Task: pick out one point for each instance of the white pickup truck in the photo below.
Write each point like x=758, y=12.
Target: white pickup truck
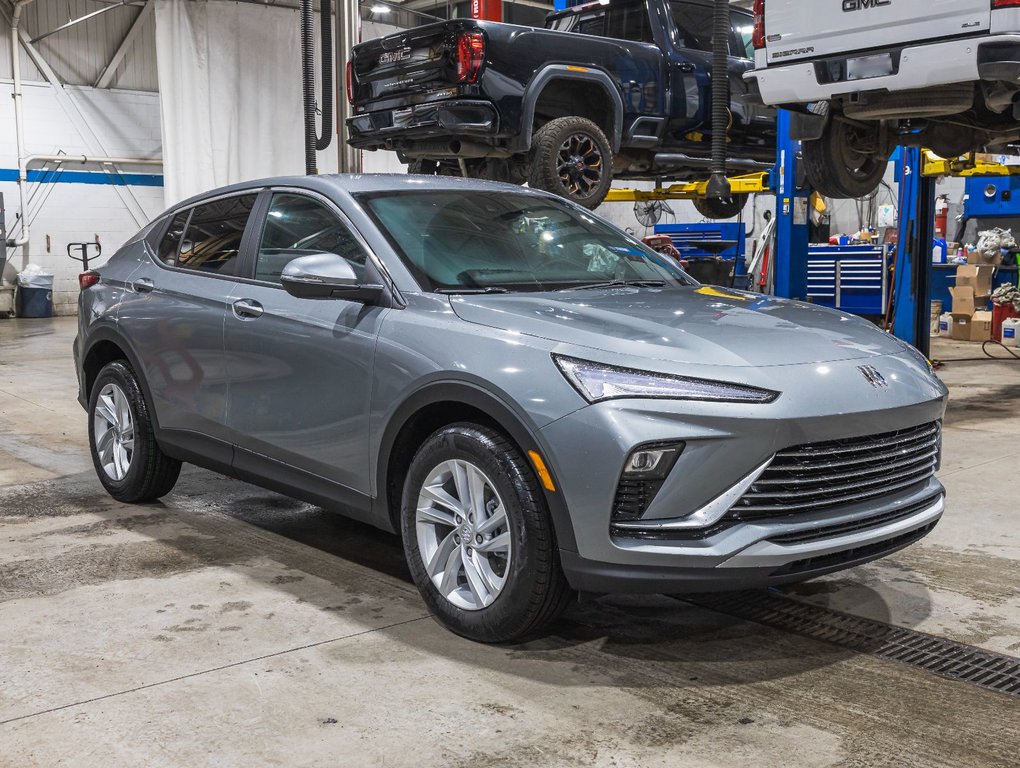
x=864, y=76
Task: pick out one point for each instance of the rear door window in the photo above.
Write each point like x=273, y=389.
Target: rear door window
x=297, y=225
x=629, y=22
x=170, y=246
x=212, y=239
x=693, y=24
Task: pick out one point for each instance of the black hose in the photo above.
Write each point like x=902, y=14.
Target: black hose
x=326, y=39
x=718, y=184
x=308, y=84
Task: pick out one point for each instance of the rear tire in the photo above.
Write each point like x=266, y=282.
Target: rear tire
x=128, y=461
x=716, y=208
x=478, y=537
x=841, y=164
x=571, y=157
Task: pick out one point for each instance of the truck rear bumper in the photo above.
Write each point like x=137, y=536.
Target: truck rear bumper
x=391, y=128
x=915, y=67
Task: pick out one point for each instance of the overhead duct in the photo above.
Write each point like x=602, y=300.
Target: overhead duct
x=718, y=185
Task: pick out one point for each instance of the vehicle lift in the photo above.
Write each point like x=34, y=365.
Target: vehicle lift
x=916, y=173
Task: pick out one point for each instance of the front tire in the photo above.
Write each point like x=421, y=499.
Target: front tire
x=844, y=162
x=128, y=461
x=571, y=157
x=478, y=537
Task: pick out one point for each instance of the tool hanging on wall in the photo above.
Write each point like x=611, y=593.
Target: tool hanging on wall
x=314, y=142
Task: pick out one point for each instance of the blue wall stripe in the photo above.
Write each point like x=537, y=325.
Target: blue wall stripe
x=86, y=177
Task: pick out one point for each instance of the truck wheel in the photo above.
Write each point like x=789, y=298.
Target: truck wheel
x=843, y=162
x=571, y=157
x=478, y=537
x=716, y=208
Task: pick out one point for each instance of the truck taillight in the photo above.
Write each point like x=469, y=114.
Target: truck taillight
x=759, y=24
x=470, y=56
x=350, y=81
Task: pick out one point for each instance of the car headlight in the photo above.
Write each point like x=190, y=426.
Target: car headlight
x=597, y=381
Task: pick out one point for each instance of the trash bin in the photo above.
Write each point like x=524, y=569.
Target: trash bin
x=35, y=294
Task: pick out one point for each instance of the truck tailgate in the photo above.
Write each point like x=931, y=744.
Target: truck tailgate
x=796, y=29
x=403, y=63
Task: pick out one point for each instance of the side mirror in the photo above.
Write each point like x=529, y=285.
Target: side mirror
x=326, y=276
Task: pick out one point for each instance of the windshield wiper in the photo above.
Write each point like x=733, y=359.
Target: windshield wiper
x=619, y=284
x=471, y=291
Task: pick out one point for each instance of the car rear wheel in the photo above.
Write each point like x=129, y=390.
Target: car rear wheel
x=571, y=157
x=720, y=208
x=846, y=161
x=129, y=463
x=478, y=537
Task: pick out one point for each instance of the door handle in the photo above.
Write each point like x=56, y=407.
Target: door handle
x=142, y=285
x=687, y=68
x=247, y=309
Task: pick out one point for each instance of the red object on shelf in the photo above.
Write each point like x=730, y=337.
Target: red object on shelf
x=1000, y=314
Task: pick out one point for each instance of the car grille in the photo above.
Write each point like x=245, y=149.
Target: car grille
x=809, y=478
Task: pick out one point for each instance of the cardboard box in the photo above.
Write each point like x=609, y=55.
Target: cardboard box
x=973, y=257
x=976, y=276
x=971, y=320
x=976, y=327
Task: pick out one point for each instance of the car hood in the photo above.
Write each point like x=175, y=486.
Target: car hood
x=698, y=325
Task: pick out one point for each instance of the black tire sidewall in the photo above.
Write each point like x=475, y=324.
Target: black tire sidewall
x=545, y=146
x=128, y=489
x=512, y=611
x=826, y=171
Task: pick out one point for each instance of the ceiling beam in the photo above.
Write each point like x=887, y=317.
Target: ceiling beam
x=106, y=76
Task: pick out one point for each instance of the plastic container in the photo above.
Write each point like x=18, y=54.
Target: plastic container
x=940, y=251
x=933, y=317
x=34, y=302
x=1011, y=332
x=945, y=325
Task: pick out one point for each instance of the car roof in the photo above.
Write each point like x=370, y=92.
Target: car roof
x=354, y=183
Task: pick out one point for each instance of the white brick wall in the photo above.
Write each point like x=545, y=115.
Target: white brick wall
x=127, y=124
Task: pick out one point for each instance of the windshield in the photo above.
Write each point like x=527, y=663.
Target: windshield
x=504, y=241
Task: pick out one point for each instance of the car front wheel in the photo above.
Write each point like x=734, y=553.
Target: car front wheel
x=129, y=463
x=478, y=537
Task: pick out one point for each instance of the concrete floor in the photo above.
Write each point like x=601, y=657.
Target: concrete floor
x=230, y=626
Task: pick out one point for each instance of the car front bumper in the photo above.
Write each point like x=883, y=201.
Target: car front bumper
x=994, y=57
x=725, y=448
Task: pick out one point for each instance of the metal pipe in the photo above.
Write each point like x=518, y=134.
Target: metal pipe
x=85, y=159
x=19, y=129
x=348, y=34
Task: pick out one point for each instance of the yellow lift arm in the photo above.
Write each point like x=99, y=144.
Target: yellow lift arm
x=739, y=185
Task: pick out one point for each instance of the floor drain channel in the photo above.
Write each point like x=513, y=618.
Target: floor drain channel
x=942, y=657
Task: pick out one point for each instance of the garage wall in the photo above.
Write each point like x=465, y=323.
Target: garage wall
x=81, y=202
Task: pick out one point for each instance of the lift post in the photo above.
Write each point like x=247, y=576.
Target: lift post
x=912, y=272
x=792, y=230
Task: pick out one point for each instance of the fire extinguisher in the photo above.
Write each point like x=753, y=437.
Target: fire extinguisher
x=941, y=215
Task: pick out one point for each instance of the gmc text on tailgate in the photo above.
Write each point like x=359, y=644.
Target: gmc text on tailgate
x=619, y=90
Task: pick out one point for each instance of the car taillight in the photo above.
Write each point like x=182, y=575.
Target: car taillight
x=470, y=56
x=88, y=279
x=1005, y=4
x=759, y=24
x=350, y=81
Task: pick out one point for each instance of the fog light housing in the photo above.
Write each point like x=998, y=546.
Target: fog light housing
x=644, y=472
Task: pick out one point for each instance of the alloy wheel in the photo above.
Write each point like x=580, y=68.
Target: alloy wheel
x=463, y=534
x=579, y=164
x=114, y=430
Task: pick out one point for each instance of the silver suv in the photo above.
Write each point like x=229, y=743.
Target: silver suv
x=535, y=401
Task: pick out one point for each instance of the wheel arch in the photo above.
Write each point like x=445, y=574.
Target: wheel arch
x=555, y=74
x=106, y=345
x=448, y=402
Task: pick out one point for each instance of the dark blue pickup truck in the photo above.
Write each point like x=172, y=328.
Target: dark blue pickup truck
x=618, y=89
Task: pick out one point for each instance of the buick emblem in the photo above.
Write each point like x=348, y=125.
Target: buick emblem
x=875, y=379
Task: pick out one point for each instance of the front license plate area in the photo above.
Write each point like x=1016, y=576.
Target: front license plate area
x=865, y=67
